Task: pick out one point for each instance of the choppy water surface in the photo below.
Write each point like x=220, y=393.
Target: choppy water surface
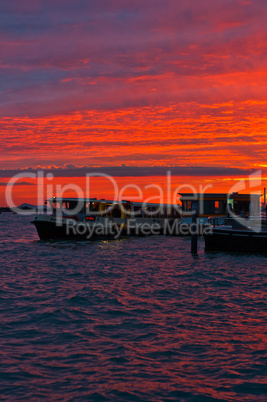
x=133, y=319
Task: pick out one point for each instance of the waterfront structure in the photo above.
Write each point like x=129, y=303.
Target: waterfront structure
x=217, y=205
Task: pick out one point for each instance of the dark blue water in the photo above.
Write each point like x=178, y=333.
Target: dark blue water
x=137, y=319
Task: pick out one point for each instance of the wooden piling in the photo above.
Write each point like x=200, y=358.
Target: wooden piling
x=194, y=235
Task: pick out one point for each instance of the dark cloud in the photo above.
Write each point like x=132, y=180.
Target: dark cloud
x=131, y=171
x=19, y=183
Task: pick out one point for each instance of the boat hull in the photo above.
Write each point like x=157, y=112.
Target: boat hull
x=52, y=228
x=236, y=240
x=51, y=231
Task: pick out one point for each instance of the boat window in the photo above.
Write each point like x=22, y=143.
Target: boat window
x=102, y=209
x=187, y=206
x=155, y=212
x=163, y=213
x=87, y=207
x=214, y=207
x=219, y=207
x=95, y=207
x=73, y=204
x=147, y=211
x=116, y=212
x=126, y=208
x=55, y=205
x=209, y=207
x=70, y=207
x=109, y=209
x=137, y=211
x=243, y=207
x=66, y=207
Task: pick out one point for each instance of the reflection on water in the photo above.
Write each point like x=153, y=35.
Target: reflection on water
x=131, y=319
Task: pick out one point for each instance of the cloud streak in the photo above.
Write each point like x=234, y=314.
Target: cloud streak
x=141, y=83
x=20, y=183
x=71, y=170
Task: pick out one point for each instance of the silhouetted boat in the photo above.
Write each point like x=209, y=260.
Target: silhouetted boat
x=92, y=218
x=233, y=236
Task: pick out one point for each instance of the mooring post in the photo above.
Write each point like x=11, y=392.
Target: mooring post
x=194, y=233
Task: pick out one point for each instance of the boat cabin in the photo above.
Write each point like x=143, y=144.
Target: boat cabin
x=89, y=209
x=220, y=204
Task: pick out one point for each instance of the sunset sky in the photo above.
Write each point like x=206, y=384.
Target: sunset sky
x=163, y=85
